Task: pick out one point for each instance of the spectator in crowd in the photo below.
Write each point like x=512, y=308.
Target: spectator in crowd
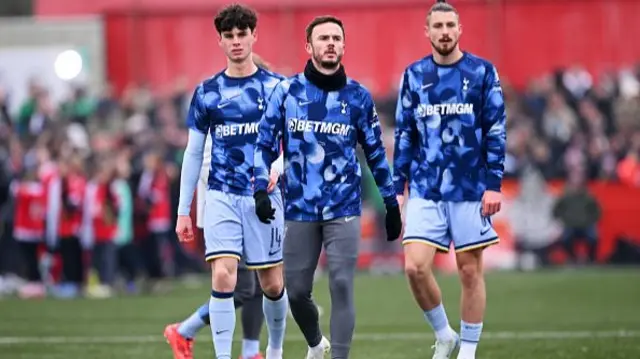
x=67, y=194
x=29, y=225
x=579, y=212
x=530, y=216
x=100, y=226
x=126, y=252
x=153, y=194
x=629, y=167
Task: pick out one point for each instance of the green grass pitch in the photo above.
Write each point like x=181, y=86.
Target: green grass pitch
x=570, y=314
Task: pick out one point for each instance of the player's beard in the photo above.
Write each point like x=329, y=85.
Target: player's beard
x=442, y=51
x=327, y=65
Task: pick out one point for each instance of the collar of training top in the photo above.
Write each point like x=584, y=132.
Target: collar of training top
x=333, y=82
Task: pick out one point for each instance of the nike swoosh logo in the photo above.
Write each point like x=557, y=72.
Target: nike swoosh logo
x=304, y=103
x=349, y=219
x=424, y=87
x=224, y=104
x=218, y=332
x=485, y=231
x=278, y=320
x=273, y=253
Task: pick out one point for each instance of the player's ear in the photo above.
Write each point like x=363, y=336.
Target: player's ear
x=426, y=30
x=255, y=35
x=459, y=29
x=309, y=48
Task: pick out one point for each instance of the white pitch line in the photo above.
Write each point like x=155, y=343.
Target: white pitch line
x=541, y=335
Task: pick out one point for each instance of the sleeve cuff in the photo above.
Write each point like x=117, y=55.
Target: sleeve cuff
x=184, y=211
x=260, y=185
x=494, y=183
x=391, y=201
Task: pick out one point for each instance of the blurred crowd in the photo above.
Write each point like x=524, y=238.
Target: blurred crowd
x=93, y=182
x=92, y=185
x=570, y=123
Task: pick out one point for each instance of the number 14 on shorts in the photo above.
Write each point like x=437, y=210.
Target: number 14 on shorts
x=276, y=241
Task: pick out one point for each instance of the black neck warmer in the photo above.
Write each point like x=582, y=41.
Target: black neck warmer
x=333, y=82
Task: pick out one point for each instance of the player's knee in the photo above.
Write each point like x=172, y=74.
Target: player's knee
x=340, y=284
x=415, y=270
x=273, y=290
x=224, y=274
x=297, y=291
x=470, y=273
x=224, y=281
x=418, y=259
x=271, y=281
x=273, y=286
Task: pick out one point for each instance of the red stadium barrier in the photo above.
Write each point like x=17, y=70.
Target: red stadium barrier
x=620, y=209
x=156, y=41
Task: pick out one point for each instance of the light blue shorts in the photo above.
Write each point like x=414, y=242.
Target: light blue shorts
x=440, y=223
x=232, y=229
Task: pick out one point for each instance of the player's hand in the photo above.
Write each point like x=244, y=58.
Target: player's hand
x=491, y=203
x=273, y=180
x=184, y=229
x=264, y=211
x=393, y=222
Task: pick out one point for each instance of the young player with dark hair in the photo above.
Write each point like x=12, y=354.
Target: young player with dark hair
x=247, y=294
x=228, y=107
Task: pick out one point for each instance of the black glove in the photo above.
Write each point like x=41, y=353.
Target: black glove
x=393, y=222
x=264, y=211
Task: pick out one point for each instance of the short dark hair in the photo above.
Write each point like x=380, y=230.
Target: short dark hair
x=238, y=16
x=441, y=6
x=323, y=20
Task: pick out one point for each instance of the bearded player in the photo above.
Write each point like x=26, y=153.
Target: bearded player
x=450, y=148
